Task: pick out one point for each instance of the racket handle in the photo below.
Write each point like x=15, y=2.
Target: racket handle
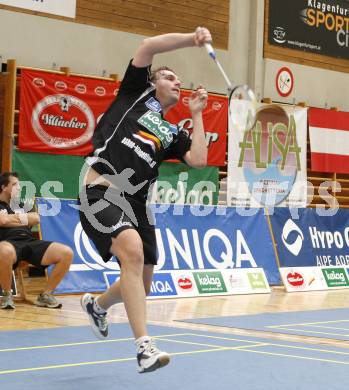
x=210, y=50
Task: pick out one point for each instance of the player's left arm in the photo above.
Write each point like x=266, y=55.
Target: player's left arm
x=196, y=156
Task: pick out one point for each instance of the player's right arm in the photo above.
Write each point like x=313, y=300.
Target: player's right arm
x=168, y=42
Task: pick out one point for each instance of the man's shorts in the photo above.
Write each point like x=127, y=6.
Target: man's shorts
x=30, y=250
x=103, y=223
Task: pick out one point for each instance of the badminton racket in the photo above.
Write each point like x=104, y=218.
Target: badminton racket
x=242, y=100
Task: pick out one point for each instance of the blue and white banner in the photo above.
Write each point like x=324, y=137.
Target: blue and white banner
x=193, y=283
x=313, y=238
x=188, y=238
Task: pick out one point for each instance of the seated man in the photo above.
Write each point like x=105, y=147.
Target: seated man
x=18, y=243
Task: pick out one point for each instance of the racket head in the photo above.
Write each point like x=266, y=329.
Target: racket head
x=243, y=107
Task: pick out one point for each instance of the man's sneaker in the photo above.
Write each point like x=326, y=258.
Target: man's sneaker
x=150, y=358
x=47, y=300
x=98, y=321
x=7, y=301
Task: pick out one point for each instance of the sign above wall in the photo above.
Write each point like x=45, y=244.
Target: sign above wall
x=284, y=81
x=57, y=7
x=310, y=25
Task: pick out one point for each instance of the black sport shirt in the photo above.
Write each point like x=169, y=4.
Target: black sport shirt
x=134, y=134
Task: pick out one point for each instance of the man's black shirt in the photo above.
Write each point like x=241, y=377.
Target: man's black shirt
x=134, y=134
x=13, y=233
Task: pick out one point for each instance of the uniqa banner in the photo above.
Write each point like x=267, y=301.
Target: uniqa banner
x=65, y=8
x=188, y=238
x=58, y=113
x=317, y=26
x=311, y=237
x=267, y=164
x=215, y=118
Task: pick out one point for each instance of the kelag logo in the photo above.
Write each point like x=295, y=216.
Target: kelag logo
x=335, y=277
x=162, y=285
x=209, y=282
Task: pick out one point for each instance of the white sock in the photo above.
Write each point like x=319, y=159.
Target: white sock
x=98, y=309
x=141, y=340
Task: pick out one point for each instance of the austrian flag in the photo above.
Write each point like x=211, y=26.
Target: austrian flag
x=329, y=140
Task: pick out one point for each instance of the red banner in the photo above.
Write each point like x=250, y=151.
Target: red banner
x=58, y=113
x=215, y=118
x=329, y=140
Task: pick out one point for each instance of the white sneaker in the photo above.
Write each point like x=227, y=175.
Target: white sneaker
x=7, y=301
x=150, y=358
x=98, y=321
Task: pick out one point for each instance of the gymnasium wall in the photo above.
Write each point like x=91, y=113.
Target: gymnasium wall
x=315, y=86
x=39, y=42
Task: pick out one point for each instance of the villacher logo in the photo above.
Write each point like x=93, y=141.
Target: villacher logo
x=55, y=112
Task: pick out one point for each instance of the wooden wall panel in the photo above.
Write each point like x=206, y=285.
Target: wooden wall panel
x=152, y=17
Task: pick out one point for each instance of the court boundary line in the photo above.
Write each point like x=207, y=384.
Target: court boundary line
x=213, y=348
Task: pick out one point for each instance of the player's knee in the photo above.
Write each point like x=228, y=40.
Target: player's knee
x=133, y=257
x=7, y=254
x=66, y=256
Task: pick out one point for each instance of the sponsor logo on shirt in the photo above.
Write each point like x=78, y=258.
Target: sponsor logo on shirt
x=148, y=139
x=162, y=129
x=139, y=152
x=153, y=105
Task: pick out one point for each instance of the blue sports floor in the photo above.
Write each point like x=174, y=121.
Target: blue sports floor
x=71, y=358
x=330, y=324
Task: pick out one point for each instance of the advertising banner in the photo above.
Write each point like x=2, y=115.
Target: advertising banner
x=57, y=7
x=329, y=140
x=314, y=278
x=48, y=175
x=188, y=238
x=59, y=113
x=316, y=26
x=267, y=164
x=313, y=238
x=182, y=284
x=215, y=118
x=178, y=183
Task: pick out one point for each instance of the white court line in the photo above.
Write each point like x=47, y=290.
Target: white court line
x=316, y=332
x=243, y=348
x=82, y=343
